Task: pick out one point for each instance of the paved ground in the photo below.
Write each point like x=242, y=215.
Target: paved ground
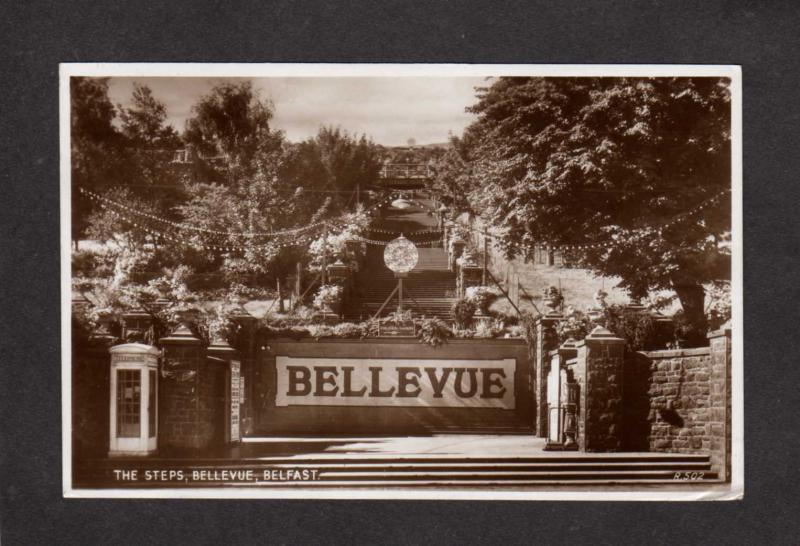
x=440, y=445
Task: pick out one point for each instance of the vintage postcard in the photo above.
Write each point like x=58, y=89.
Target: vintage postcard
x=402, y=281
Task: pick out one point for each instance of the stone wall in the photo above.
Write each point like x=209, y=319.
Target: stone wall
x=678, y=386
x=678, y=401
x=599, y=371
x=191, y=400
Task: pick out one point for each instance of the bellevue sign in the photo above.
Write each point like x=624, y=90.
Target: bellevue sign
x=309, y=381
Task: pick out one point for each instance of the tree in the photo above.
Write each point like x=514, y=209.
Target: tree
x=96, y=152
x=232, y=121
x=258, y=194
x=150, y=144
x=103, y=225
x=453, y=181
x=610, y=165
x=336, y=163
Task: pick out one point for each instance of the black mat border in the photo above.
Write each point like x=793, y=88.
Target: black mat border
x=36, y=36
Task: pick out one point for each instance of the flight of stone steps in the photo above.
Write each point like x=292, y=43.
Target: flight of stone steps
x=416, y=471
x=429, y=289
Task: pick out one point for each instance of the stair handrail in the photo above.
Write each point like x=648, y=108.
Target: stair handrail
x=529, y=297
x=519, y=313
x=309, y=287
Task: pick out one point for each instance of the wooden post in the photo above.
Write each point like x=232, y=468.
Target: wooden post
x=325, y=256
x=298, y=282
x=279, y=289
x=485, y=257
x=400, y=295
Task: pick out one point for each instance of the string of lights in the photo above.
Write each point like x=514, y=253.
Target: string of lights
x=615, y=240
x=397, y=233
x=286, y=232
x=204, y=244
x=384, y=243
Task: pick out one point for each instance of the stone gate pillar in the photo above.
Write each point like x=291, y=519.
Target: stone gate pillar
x=541, y=366
x=248, y=350
x=180, y=425
x=599, y=371
x=720, y=401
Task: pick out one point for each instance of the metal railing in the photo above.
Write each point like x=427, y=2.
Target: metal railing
x=402, y=170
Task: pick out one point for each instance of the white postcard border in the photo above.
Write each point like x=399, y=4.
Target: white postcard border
x=724, y=492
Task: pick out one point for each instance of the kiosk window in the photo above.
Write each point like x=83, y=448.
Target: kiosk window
x=128, y=403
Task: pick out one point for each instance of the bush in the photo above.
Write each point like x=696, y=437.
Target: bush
x=434, y=332
x=481, y=296
x=84, y=263
x=328, y=296
x=638, y=328
x=463, y=311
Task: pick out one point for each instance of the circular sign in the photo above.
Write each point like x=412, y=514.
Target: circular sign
x=401, y=255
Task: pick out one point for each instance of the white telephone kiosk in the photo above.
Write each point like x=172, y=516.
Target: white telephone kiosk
x=134, y=396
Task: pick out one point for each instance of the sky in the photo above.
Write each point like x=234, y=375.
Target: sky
x=390, y=110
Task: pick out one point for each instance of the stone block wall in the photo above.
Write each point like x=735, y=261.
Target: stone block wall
x=678, y=383
x=678, y=401
x=178, y=402
x=191, y=400
x=600, y=375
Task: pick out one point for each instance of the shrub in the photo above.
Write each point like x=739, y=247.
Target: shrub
x=328, y=295
x=463, y=311
x=718, y=311
x=481, y=296
x=638, y=328
x=484, y=330
x=347, y=330
x=433, y=332
x=84, y=263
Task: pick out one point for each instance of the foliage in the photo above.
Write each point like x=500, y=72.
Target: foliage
x=481, y=296
x=593, y=160
x=348, y=330
x=104, y=226
x=639, y=327
x=433, y=331
x=328, y=296
x=485, y=330
x=463, y=311
x=96, y=151
x=149, y=146
x=334, y=161
x=332, y=244
x=94, y=262
x=453, y=182
x=231, y=121
x=112, y=297
x=120, y=147
x=576, y=326
x=516, y=330
x=718, y=309
x=398, y=317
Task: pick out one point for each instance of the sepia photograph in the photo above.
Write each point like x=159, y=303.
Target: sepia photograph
x=419, y=281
